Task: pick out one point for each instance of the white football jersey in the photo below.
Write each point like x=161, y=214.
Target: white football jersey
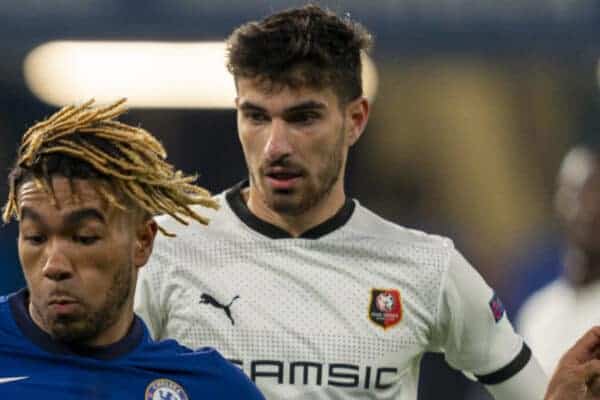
x=558, y=305
x=344, y=312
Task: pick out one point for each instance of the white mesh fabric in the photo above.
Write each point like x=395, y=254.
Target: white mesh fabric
x=300, y=300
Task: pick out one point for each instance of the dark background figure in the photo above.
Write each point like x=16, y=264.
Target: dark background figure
x=556, y=315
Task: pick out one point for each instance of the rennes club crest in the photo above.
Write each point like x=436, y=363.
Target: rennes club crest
x=386, y=307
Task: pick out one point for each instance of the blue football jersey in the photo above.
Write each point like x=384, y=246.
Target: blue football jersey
x=33, y=366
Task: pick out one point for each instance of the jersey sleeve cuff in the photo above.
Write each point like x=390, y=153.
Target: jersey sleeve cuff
x=510, y=370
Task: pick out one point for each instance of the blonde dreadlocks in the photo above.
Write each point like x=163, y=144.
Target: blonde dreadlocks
x=129, y=159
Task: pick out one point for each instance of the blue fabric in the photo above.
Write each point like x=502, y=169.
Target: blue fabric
x=134, y=368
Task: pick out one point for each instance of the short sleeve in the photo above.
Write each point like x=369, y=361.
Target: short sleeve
x=472, y=328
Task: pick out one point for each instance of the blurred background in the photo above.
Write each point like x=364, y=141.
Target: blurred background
x=475, y=104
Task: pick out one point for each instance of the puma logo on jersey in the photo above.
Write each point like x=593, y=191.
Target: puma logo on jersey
x=208, y=299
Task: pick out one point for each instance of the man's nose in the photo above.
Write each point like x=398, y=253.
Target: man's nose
x=57, y=265
x=278, y=145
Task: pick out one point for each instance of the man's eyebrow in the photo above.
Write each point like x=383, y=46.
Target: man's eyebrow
x=249, y=106
x=306, y=106
x=29, y=213
x=77, y=216
x=303, y=106
x=71, y=219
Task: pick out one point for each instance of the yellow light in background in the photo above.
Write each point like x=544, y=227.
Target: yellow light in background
x=149, y=74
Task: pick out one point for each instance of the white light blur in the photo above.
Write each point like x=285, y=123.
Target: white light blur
x=148, y=74
x=369, y=77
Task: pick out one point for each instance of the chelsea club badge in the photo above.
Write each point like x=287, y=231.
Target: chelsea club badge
x=165, y=389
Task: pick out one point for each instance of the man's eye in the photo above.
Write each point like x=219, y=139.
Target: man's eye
x=85, y=240
x=35, y=240
x=256, y=117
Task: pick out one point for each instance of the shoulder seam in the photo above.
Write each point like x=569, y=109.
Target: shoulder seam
x=443, y=281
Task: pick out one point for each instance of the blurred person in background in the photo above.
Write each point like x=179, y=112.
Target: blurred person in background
x=84, y=190
x=282, y=278
x=553, y=317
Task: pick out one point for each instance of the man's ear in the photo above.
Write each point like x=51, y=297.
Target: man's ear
x=357, y=115
x=144, y=241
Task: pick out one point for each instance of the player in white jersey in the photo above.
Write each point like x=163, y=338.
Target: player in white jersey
x=556, y=315
x=314, y=296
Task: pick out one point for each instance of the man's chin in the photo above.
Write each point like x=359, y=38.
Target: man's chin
x=286, y=206
x=291, y=202
x=73, y=331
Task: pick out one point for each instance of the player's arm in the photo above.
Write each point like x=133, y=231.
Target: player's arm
x=577, y=375
x=476, y=336
x=528, y=383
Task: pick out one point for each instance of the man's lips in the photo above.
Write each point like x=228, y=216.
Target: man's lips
x=283, y=172
x=62, y=300
x=282, y=178
x=63, y=305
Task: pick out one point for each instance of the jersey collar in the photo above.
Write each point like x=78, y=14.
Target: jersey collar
x=238, y=205
x=19, y=307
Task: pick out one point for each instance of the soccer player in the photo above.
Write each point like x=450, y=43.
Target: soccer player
x=84, y=190
x=309, y=292
x=556, y=315
x=577, y=373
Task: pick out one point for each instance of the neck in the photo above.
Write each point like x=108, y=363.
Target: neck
x=582, y=268
x=296, y=225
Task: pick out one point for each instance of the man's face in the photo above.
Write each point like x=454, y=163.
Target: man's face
x=78, y=257
x=295, y=144
x=582, y=216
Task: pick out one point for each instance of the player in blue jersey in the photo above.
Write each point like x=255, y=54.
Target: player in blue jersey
x=84, y=190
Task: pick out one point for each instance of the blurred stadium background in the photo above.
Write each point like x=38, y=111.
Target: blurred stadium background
x=476, y=102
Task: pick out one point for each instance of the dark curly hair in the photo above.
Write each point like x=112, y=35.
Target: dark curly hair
x=306, y=46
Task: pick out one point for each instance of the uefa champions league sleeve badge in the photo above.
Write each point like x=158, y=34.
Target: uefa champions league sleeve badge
x=165, y=389
x=497, y=307
x=385, y=309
